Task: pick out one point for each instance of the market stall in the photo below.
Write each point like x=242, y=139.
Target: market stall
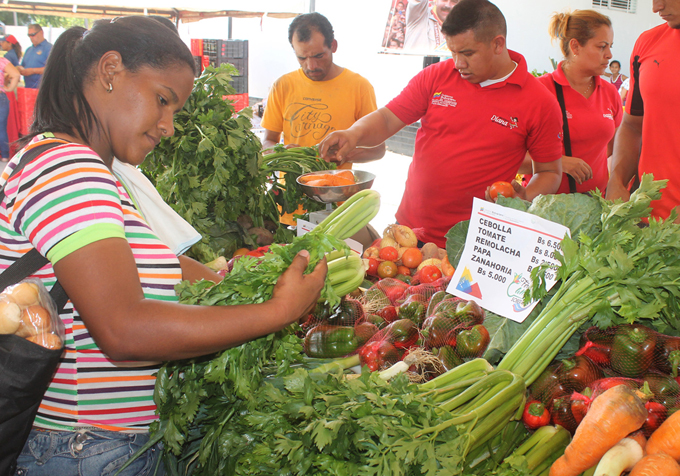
x=542, y=340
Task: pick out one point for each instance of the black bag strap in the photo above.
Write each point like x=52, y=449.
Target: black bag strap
x=32, y=261
x=565, y=132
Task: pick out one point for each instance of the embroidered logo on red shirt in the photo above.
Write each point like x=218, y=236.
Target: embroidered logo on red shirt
x=440, y=99
x=609, y=114
x=512, y=123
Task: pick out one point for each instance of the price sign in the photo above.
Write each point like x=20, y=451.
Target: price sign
x=503, y=245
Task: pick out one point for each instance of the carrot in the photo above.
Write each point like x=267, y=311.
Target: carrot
x=319, y=183
x=337, y=180
x=666, y=438
x=639, y=436
x=659, y=464
x=346, y=174
x=612, y=415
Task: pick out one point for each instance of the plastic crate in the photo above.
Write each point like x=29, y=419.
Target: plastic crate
x=239, y=63
x=240, y=84
x=25, y=105
x=240, y=101
x=210, y=46
x=196, y=47
x=233, y=48
x=198, y=65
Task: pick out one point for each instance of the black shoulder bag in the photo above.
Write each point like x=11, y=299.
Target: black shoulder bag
x=565, y=132
x=26, y=369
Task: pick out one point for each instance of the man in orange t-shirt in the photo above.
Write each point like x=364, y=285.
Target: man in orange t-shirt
x=648, y=139
x=320, y=97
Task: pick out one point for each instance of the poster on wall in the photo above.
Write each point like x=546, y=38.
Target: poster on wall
x=414, y=27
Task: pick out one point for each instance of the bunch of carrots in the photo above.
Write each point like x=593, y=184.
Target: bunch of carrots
x=342, y=177
x=607, y=442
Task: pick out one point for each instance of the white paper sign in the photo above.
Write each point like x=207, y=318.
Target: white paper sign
x=303, y=226
x=503, y=245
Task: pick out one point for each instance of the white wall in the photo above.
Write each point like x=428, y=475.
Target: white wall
x=359, y=26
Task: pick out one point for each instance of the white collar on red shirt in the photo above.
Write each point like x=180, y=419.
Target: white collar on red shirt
x=489, y=82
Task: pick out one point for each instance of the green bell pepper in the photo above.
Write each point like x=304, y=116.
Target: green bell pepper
x=324, y=341
x=633, y=350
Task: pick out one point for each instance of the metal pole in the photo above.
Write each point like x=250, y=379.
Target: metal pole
x=312, y=6
x=16, y=22
x=229, y=29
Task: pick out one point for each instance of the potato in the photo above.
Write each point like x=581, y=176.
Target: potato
x=47, y=340
x=34, y=320
x=10, y=317
x=429, y=251
x=25, y=294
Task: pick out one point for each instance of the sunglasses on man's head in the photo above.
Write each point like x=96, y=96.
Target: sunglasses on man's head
x=33, y=34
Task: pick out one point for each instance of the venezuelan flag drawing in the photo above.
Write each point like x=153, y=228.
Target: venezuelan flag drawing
x=437, y=95
x=466, y=284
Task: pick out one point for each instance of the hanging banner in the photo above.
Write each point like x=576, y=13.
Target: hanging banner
x=502, y=246
x=414, y=27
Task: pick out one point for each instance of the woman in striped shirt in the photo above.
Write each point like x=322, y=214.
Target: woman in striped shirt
x=113, y=91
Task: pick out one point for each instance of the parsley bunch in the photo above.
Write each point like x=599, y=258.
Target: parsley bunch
x=212, y=171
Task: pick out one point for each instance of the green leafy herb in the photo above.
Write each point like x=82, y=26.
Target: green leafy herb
x=211, y=171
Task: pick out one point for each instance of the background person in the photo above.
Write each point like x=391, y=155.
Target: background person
x=35, y=58
x=623, y=92
x=10, y=44
x=320, y=97
x=9, y=78
x=424, y=23
x=593, y=106
x=118, y=100
x=647, y=141
x=480, y=111
x=615, y=77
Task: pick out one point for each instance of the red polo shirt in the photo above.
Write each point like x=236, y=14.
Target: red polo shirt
x=654, y=93
x=470, y=137
x=592, y=124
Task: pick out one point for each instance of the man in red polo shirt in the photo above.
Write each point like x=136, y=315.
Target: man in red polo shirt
x=480, y=113
x=648, y=139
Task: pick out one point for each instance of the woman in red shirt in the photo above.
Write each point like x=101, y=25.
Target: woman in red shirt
x=591, y=106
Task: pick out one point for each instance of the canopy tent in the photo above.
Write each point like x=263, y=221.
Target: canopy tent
x=186, y=10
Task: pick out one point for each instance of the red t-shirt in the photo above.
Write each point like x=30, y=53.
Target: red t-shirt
x=654, y=93
x=592, y=124
x=470, y=137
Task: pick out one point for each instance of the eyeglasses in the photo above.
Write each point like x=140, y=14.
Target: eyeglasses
x=31, y=35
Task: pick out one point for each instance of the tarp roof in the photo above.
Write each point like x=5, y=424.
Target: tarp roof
x=186, y=10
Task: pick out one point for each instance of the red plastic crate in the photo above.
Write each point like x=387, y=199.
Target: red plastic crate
x=25, y=104
x=197, y=47
x=240, y=101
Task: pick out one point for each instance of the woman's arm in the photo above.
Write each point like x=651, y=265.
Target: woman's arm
x=194, y=271
x=12, y=76
x=102, y=281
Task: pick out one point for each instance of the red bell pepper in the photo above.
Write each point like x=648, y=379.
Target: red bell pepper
x=547, y=386
x=578, y=373
x=535, y=415
x=656, y=414
x=378, y=354
x=580, y=403
x=561, y=413
x=596, y=344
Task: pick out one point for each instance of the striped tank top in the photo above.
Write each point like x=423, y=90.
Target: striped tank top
x=63, y=200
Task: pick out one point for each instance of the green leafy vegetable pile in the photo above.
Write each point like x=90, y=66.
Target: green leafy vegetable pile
x=212, y=171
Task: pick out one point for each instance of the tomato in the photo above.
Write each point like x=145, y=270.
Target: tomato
x=429, y=274
x=387, y=269
x=372, y=267
x=403, y=270
x=501, y=188
x=412, y=257
x=389, y=253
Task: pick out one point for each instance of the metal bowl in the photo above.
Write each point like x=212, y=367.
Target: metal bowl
x=339, y=193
